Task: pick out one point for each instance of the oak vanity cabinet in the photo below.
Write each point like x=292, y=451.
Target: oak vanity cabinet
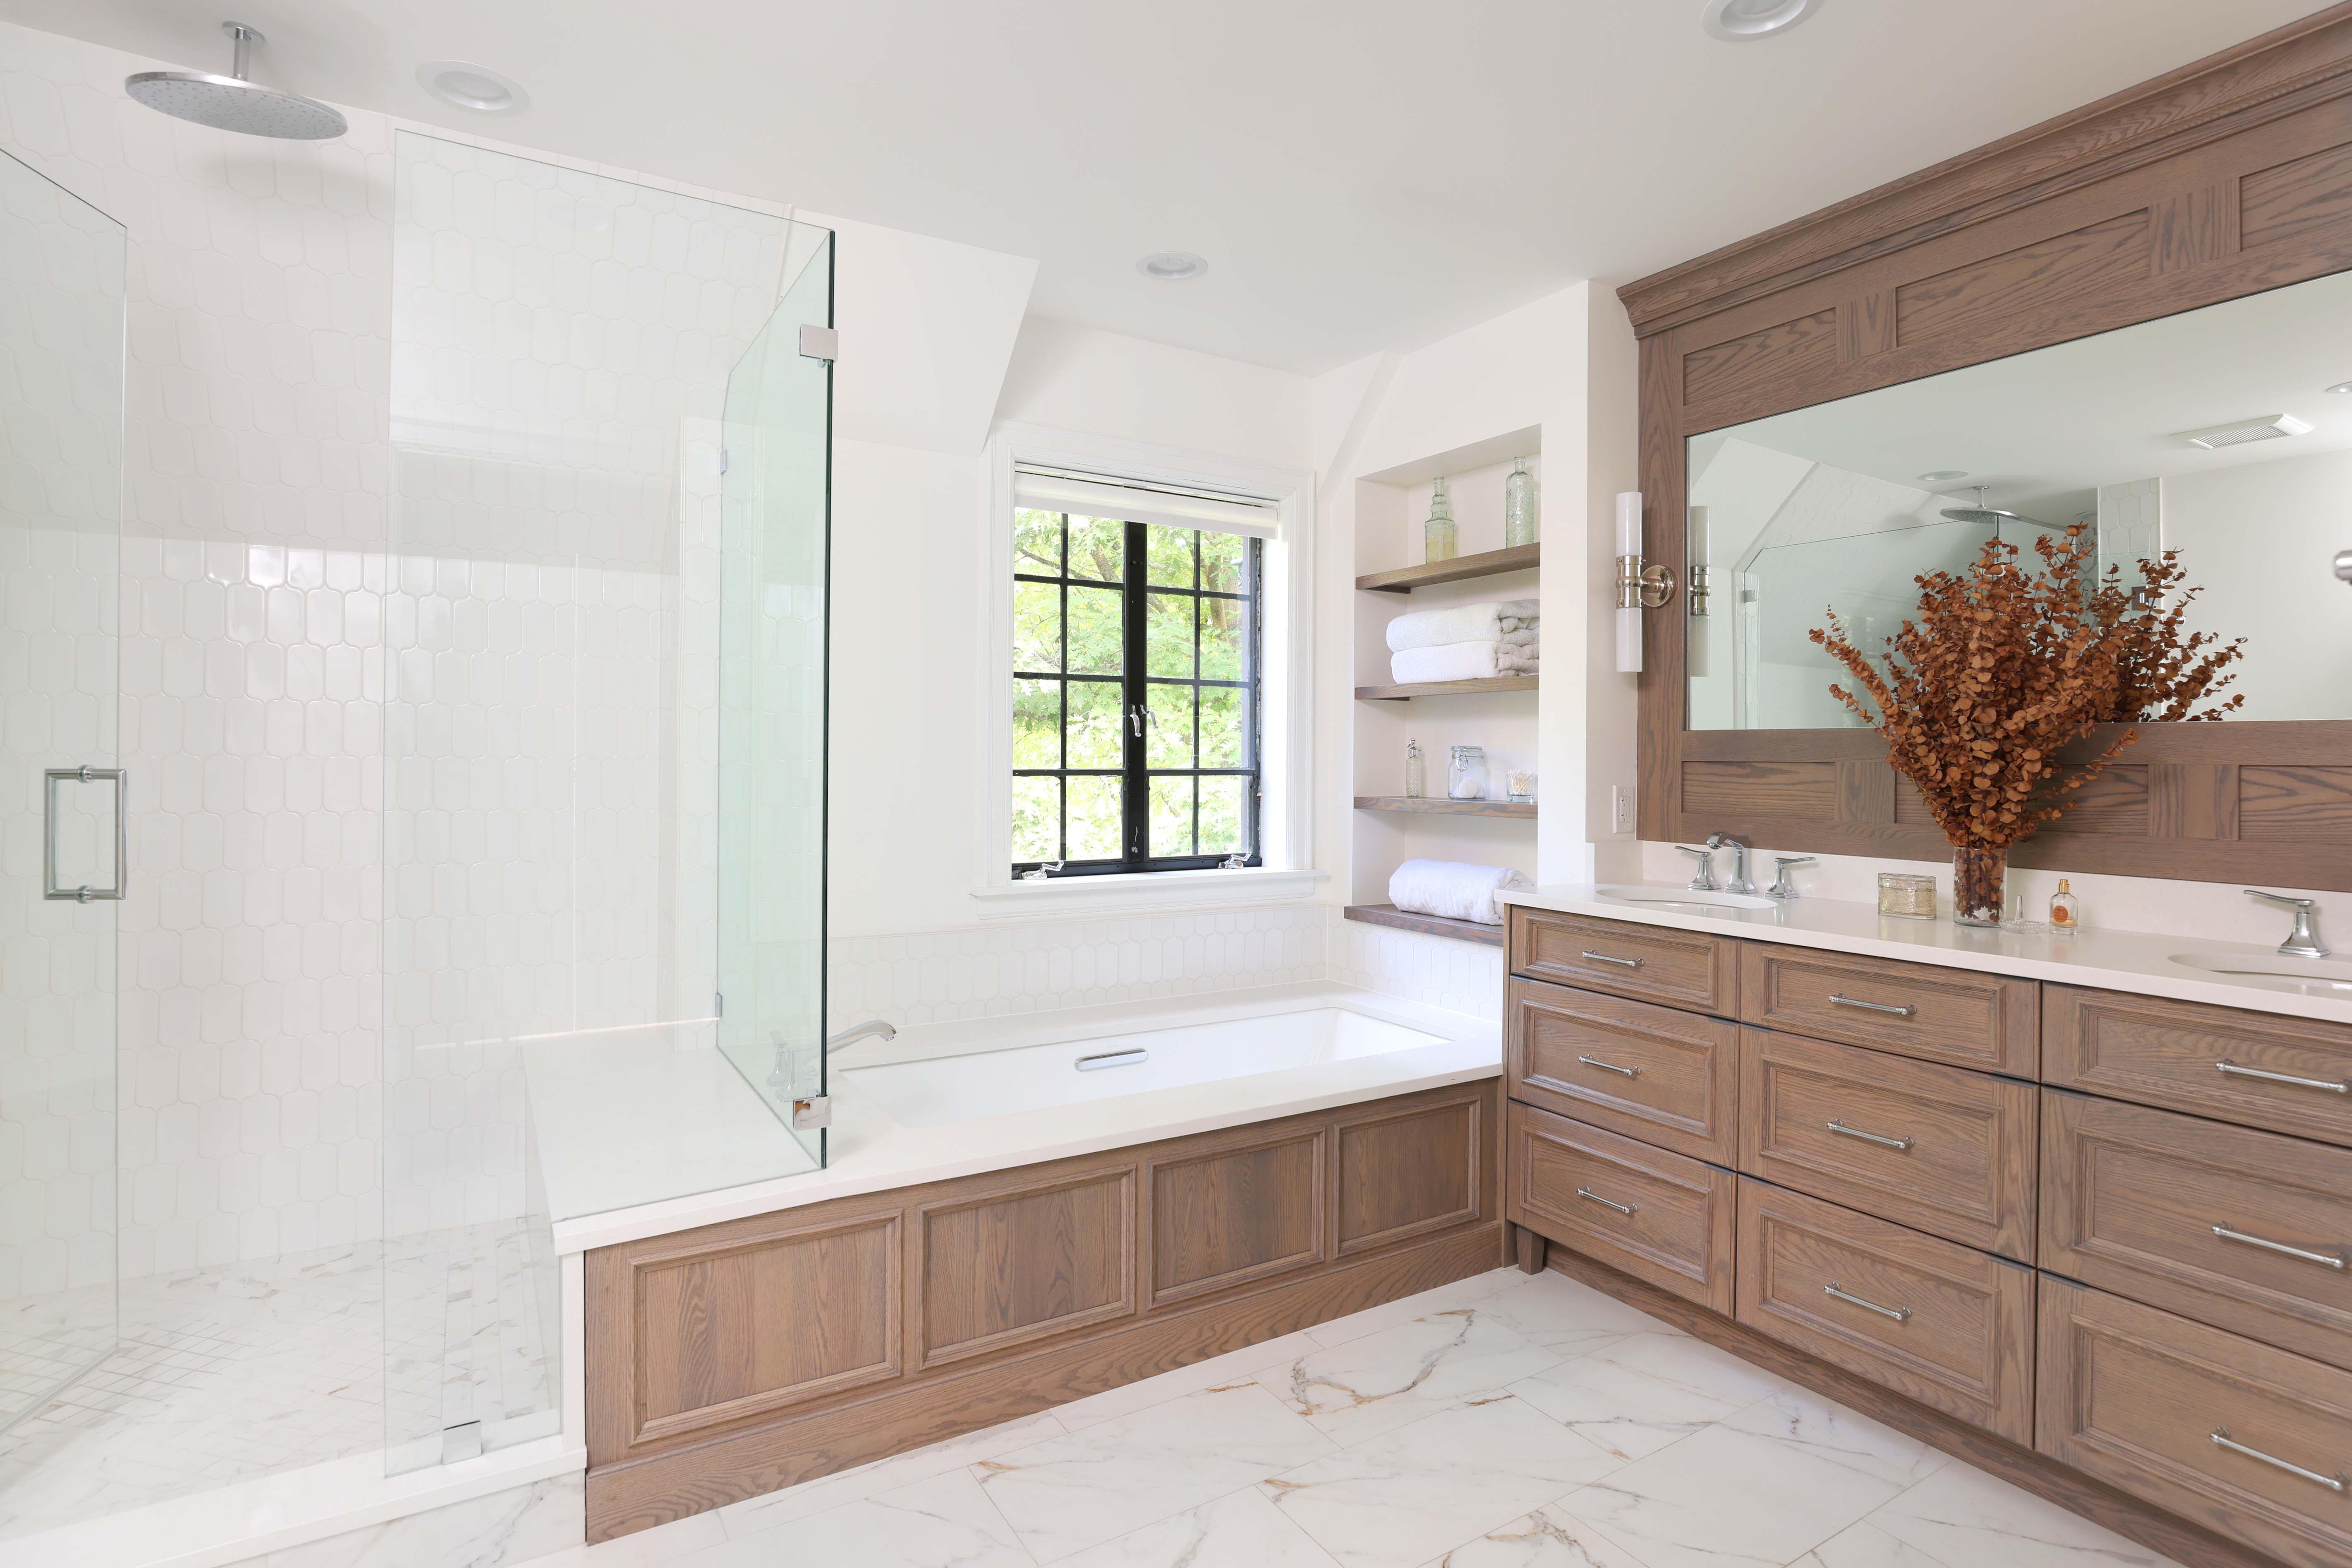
x=2079, y=1236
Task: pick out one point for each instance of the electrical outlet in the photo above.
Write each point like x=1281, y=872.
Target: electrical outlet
x=1621, y=808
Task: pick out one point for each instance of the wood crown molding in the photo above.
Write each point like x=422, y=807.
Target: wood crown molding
x=2274, y=74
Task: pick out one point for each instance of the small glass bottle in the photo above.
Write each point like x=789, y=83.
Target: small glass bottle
x=1519, y=505
x=1439, y=538
x=1465, y=772
x=2065, y=912
x=1416, y=771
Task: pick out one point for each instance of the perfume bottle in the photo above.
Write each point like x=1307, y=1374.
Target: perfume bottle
x=1519, y=505
x=1438, y=536
x=1416, y=771
x=2065, y=914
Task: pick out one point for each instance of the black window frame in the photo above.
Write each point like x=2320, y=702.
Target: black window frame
x=1135, y=682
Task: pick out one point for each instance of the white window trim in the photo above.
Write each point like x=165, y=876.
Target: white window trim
x=1286, y=684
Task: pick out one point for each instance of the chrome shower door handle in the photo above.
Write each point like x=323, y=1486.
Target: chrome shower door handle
x=53, y=777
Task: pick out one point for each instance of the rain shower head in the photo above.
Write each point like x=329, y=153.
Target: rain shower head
x=232, y=103
x=1983, y=513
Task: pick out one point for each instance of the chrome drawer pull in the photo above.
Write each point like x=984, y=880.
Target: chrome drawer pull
x=1838, y=1001
x=1842, y=1131
x=1604, y=958
x=1102, y=1060
x=2334, y=1483
x=1610, y=1066
x=2231, y=1069
x=1900, y=1314
x=1604, y=1202
x=2230, y=1233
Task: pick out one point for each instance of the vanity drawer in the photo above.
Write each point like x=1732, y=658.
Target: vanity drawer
x=1941, y=1148
x=2191, y=1057
x=1665, y=1077
x=1649, y=963
x=1913, y=1009
x=2137, y=1398
x=2131, y=1200
x=1659, y=1217
x=1945, y=1325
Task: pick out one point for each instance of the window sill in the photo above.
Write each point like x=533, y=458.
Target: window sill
x=1158, y=892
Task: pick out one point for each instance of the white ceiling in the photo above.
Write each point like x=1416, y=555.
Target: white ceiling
x=1361, y=176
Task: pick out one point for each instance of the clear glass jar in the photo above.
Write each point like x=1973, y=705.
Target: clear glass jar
x=1416, y=771
x=1440, y=539
x=1519, y=505
x=1465, y=772
x=1906, y=896
x=1521, y=782
x=1978, y=876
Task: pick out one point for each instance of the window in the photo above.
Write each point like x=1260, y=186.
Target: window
x=1136, y=662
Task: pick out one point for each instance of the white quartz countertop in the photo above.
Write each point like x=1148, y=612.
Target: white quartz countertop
x=626, y=1126
x=2142, y=963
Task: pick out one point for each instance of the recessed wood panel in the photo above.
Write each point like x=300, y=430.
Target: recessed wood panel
x=723, y=1334
x=1404, y=1173
x=1799, y=790
x=2085, y=261
x=1666, y=1077
x=2307, y=196
x=1938, y=1014
x=2287, y=1075
x=1788, y=349
x=2115, y=801
x=2306, y=805
x=1019, y=1264
x=1649, y=963
x=1659, y=1217
x=1235, y=1214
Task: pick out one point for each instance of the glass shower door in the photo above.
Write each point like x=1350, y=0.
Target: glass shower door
x=61, y=803
x=775, y=565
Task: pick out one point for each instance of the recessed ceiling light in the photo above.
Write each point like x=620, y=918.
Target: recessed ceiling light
x=1942, y=475
x=2341, y=386
x=1171, y=266
x=469, y=86
x=1739, y=21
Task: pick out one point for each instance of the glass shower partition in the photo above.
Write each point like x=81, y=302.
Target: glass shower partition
x=774, y=593
x=61, y=788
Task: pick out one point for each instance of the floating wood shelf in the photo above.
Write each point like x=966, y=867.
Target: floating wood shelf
x=1433, y=925
x=1444, y=689
x=1486, y=564
x=1515, y=808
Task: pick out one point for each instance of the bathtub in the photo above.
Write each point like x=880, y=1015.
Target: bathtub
x=1108, y=1066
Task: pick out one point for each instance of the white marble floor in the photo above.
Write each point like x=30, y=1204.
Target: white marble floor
x=1500, y=1422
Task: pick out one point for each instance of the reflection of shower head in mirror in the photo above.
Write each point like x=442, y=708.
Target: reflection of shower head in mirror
x=1983, y=513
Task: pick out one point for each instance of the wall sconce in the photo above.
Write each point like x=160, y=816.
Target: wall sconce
x=2344, y=565
x=1699, y=644
x=1639, y=588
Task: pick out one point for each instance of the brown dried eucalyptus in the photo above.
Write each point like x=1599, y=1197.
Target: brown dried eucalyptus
x=2004, y=666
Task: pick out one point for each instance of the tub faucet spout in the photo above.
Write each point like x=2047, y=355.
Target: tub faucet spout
x=871, y=1028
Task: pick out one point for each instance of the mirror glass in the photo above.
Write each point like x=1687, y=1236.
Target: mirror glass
x=2219, y=433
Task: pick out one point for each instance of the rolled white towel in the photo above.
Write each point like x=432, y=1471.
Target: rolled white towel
x=1455, y=661
x=1435, y=629
x=1517, y=661
x=1453, y=890
x=1520, y=609
x=1526, y=637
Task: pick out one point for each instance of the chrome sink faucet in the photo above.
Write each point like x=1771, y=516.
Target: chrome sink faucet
x=1740, y=882
x=2302, y=942
x=1703, y=882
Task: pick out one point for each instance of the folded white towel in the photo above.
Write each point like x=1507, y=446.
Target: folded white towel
x=1455, y=661
x=1451, y=889
x=1435, y=629
x=1517, y=661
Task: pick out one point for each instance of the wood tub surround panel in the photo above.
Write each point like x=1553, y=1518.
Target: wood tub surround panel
x=2193, y=1216
x=1649, y=963
x=1667, y=1077
x=1953, y=1016
x=1945, y=1325
x=1943, y=1150
x=1657, y=1215
x=2188, y=1055
x=738, y=1358
x=2137, y=1398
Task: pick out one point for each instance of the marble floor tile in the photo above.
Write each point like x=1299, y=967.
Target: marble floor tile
x=1367, y=1386
x=1071, y=1492
x=1641, y=1393
x=1234, y=1366
x=769, y=1509
x=946, y=1522
x=1240, y=1529
x=1865, y=1545
x=1756, y=1489
x=1404, y=1497
x=1547, y=1538
x=1372, y=1319
x=1962, y=1518
x=1565, y=1315
x=659, y=1547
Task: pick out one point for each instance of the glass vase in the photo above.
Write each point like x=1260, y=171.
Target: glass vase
x=1977, y=877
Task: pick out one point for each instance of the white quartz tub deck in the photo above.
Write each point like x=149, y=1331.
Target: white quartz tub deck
x=629, y=1126
x=2141, y=963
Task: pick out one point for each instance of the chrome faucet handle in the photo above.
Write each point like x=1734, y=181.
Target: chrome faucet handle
x=1781, y=886
x=2302, y=942
x=1705, y=881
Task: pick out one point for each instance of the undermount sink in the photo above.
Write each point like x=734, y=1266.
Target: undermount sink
x=1689, y=901
x=2276, y=972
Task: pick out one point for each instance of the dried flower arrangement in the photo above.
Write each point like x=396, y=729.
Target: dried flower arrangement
x=2003, y=667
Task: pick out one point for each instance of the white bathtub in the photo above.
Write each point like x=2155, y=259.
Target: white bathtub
x=968, y=1088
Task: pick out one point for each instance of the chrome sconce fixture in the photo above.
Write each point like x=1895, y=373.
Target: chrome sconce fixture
x=2344, y=566
x=1698, y=643
x=1639, y=588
